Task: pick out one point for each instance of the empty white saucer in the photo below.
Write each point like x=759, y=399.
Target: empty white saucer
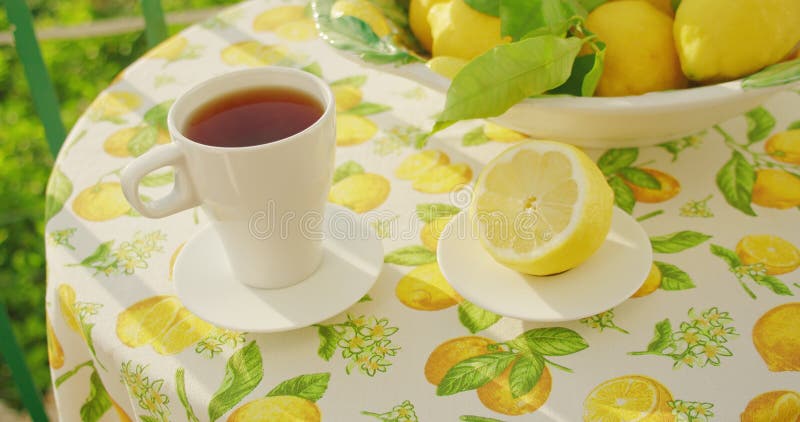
x=606, y=279
x=350, y=265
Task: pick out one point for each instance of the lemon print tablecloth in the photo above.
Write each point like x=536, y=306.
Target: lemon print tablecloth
x=711, y=335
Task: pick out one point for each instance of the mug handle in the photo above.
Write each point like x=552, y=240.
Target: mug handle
x=180, y=198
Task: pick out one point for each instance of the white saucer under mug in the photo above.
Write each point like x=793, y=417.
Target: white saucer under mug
x=605, y=280
x=352, y=261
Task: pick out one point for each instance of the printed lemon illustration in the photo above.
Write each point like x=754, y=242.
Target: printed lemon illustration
x=352, y=129
x=112, y=105
x=669, y=187
x=784, y=146
x=415, y=165
x=628, y=398
x=66, y=302
x=777, y=255
x=418, y=21
x=425, y=289
x=162, y=322
x=288, y=22
x=346, y=96
x=123, y=417
x=451, y=352
x=773, y=406
x=360, y=192
x=446, y=66
x=499, y=133
x=542, y=207
x=118, y=143
x=253, y=54
x=635, y=64
x=776, y=188
x=185, y=330
x=662, y=5
x=101, y=202
x=277, y=409
x=717, y=42
x=777, y=339
x=443, y=179
x=651, y=283
x=364, y=10
x=55, y=353
x=496, y=394
x=460, y=31
x=169, y=50
x=174, y=258
x=431, y=232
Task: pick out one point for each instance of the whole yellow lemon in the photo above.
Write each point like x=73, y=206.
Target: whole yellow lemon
x=776, y=188
x=458, y=30
x=640, y=54
x=418, y=21
x=720, y=40
x=662, y=5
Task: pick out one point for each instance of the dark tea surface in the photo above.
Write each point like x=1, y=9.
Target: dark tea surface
x=252, y=117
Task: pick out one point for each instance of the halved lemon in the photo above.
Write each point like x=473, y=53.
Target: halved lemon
x=779, y=256
x=630, y=398
x=542, y=207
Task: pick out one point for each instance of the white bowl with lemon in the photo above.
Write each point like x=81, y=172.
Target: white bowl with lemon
x=624, y=73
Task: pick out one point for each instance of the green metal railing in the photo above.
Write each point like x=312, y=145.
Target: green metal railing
x=46, y=104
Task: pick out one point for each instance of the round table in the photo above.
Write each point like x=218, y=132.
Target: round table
x=706, y=337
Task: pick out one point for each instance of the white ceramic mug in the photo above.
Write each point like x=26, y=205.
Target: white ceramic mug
x=259, y=198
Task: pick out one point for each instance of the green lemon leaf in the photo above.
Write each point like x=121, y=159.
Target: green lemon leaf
x=474, y=318
x=760, y=123
x=662, y=338
x=525, y=374
x=181, y=390
x=727, y=255
x=777, y=74
x=430, y=212
x=328, y=338
x=59, y=188
x=396, y=11
x=574, y=84
x=488, y=7
x=673, y=278
x=496, y=80
x=518, y=18
x=356, y=81
x=347, y=169
x=153, y=180
x=794, y=125
x=310, y=387
x=614, y=159
x=472, y=418
x=676, y=4
x=590, y=5
x=474, y=372
x=678, y=241
x=410, y=256
x=243, y=372
x=98, y=402
x=474, y=137
x=592, y=78
x=773, y=283
x=553, y=341
x=735, y=180
x=157, y=116
x=623, y=195
x=144, y=139
x=366, y=109
x=639, y=178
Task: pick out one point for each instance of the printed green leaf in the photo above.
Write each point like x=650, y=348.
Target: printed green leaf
x=243, y=372
x=673, y=278
x=678, y=241
x=525, y=374
x=153, y=180
x=59, y=188
x=98, y=402
x=794, y=125
x=735, y=180
x=148, y=418
x=726, y=254
x=100, y=254
x=430, y=212
x=777, y=74
x=475, y=318
x=356, y=81
x=144, y=139
x=157, y=116
x=489, y=7
x=328, y=338
x=472, y=418
x=310, y=387
x=69, y=374
x=347, y=169
x=365, y=109
x=623, y=195
x=521, y=17
x=410, y=256
x=773, y=283
x=474, y=372
x=86, y=329
x=365, y=298
x=639, y=178
x=760, y=123
x=181, y=389
x=614, y=159
x=474, y=137
x=554, y=341
x=314, y=69
x=496, y=80
x=662, y=338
